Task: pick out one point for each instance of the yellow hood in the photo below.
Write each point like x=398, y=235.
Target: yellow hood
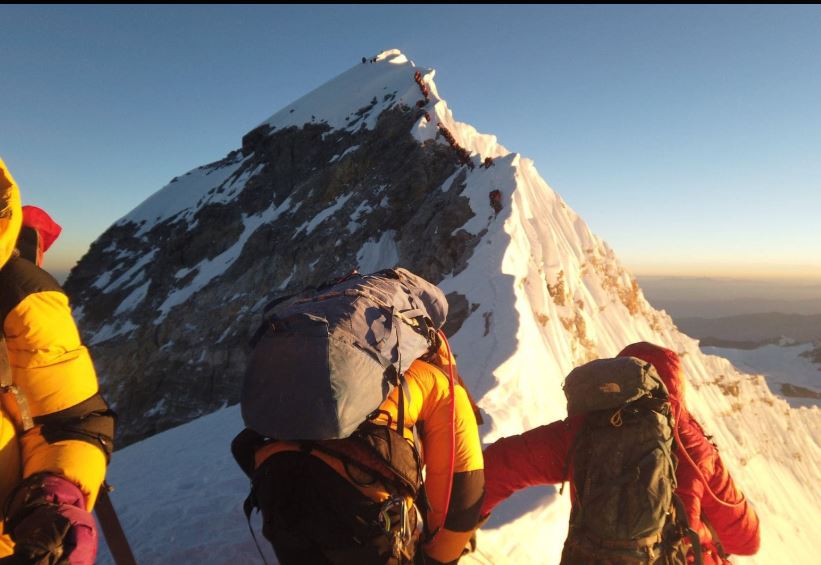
x=11, y=216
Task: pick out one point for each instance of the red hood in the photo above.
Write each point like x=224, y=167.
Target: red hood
x=48, y=229
x=667, y=365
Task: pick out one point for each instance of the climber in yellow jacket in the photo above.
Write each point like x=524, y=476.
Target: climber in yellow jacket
x=333, y=502
x=55, y=430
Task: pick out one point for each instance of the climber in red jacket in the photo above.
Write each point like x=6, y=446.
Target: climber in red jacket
x=717, y=511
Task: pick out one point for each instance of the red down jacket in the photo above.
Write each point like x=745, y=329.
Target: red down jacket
x=538, y=456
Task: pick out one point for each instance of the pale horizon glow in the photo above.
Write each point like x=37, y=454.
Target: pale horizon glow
x=729, y=270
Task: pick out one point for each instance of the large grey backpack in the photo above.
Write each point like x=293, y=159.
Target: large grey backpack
x=623, y=467
x=327, y=358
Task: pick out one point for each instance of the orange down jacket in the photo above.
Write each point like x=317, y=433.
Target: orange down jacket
x=50, y=369
x=539, y=456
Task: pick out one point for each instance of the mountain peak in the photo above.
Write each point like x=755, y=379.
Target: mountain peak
x=368, y=171
x=354, y=99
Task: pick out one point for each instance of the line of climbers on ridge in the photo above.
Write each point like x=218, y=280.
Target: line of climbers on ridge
x=361, y=441
x=463, y=154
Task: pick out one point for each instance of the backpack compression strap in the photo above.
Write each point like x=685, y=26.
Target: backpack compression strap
x=684, y=525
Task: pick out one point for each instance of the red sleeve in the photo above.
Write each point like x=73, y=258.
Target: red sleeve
x=736, y=526
x=535, y=457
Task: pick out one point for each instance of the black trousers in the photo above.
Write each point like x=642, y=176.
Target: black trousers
x=313, y=516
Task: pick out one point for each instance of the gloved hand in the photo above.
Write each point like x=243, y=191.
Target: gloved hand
x=49, y=524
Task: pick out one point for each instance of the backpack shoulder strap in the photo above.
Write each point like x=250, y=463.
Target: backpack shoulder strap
x=683, y=524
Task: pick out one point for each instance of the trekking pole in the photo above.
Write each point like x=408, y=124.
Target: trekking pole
x=112, y=529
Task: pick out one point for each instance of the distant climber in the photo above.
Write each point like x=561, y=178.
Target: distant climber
x=364, y=60
x=496, y=200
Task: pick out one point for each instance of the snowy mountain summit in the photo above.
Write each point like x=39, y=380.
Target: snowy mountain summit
x=368, y=171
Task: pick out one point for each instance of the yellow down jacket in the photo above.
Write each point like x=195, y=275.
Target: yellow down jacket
x=70, y=427
x=427, y=407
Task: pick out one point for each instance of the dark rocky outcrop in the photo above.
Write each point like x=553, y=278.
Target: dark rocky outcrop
x=161, y=368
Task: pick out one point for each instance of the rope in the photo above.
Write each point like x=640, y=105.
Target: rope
x=452, y=435
x=689, y=459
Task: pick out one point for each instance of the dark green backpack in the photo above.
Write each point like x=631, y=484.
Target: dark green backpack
x=623, y=468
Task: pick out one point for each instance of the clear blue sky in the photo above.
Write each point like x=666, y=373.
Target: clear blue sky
x=688, y=137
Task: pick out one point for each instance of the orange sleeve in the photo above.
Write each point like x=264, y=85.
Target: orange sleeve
x=428, y=405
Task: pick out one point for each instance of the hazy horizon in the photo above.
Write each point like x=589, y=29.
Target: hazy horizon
x=716, y=297
x=709, y=296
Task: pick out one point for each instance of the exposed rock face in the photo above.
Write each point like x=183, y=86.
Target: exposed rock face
x=164, y=360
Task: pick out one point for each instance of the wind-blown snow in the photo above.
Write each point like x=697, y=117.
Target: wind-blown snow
x=548, y=294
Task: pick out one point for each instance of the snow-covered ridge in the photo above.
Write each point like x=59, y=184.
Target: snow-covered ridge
x=355, y=98
x=186, y=194
x=348, y=102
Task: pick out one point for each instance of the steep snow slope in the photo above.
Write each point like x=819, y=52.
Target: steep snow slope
x=179, y=496
x=572, y=302
x=542, y=293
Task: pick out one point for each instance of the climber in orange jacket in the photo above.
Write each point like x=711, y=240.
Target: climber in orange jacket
x=317, y=497
x=55, y=429
x=715, y=508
